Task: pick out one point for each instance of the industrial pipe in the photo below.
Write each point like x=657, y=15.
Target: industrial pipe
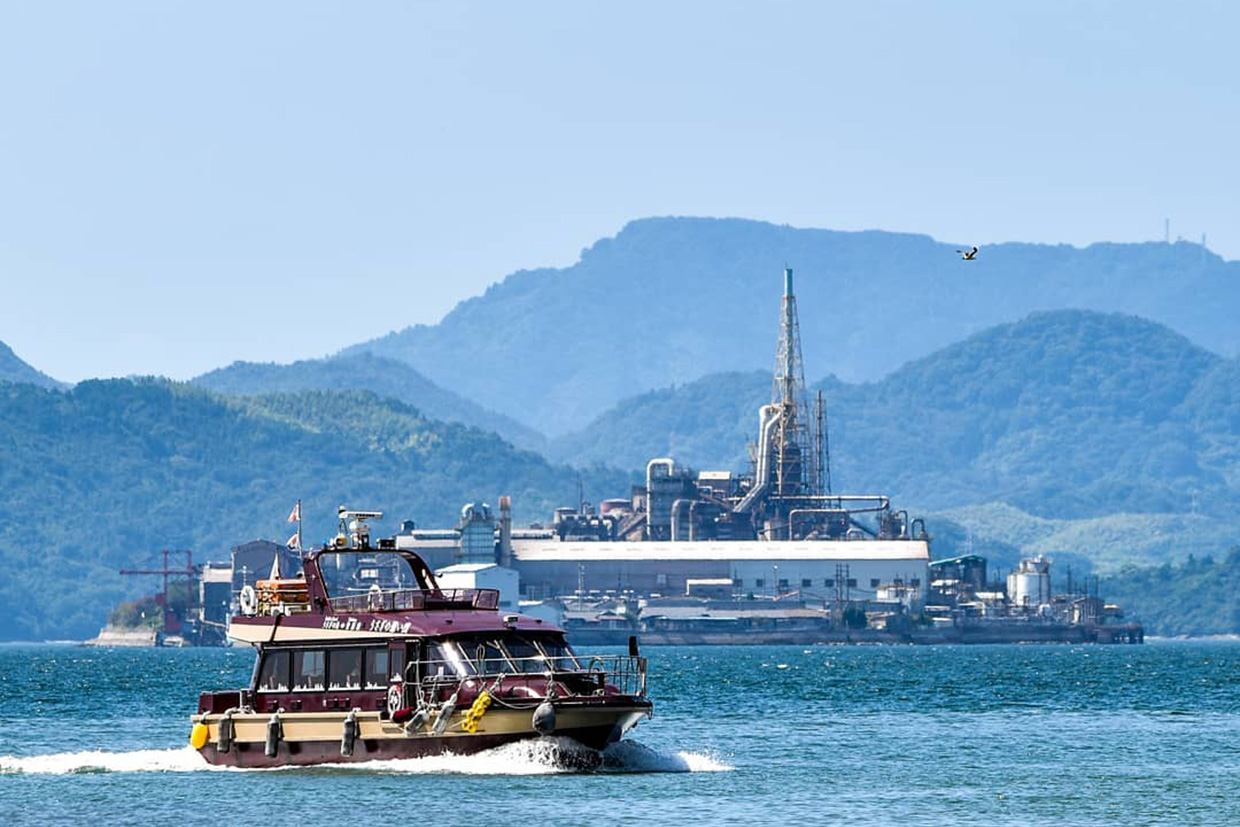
x=794, y=512
x=676, y=505
x=768, y=418
x=668, y=463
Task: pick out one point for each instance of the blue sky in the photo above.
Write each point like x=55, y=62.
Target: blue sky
x=185, y=184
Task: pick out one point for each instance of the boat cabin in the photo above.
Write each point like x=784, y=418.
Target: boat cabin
x=370, y=629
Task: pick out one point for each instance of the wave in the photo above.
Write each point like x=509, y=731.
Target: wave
x=545, y=756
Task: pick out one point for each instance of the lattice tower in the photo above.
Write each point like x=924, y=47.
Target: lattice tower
x=797, y=457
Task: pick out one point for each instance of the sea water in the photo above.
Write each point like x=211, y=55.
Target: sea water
x=968, y=735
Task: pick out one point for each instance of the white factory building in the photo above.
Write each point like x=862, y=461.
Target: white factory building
x=814, y=568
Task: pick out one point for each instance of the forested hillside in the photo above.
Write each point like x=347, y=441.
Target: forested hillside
x=104, y=475
x=1200, y=596
x=670, y=300
x=385, y=377
x=1100, y=439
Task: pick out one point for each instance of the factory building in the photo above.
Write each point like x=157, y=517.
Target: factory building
x=816, y=570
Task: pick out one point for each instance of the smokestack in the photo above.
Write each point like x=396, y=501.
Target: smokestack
x=505, y=531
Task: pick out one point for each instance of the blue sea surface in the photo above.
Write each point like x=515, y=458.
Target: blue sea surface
x=968, y=735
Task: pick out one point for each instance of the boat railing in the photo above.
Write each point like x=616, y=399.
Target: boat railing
x=580, y=674
x=412, y=600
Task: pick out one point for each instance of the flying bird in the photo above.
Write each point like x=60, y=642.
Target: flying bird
x=968, y=255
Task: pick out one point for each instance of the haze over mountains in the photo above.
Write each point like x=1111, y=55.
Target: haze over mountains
x=1099, y=437
x=669, y=300
x=1065, y=412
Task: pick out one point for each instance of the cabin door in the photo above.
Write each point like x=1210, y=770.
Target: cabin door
x=399, y=695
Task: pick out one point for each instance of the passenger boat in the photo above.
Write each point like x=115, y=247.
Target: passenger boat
x=362, y=656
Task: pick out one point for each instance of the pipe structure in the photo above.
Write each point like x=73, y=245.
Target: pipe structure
x=676, y=506
x=670, y=465
x=768, y=418
x=505, y=531
x=666, y=462
x=693, y=504
x=882, y=500
x=794, y=512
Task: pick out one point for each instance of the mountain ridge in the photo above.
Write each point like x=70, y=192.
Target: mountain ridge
x=668, y=300
x=366, y=371
x=14, y=369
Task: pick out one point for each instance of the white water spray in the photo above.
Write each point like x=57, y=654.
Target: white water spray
x=534, y=757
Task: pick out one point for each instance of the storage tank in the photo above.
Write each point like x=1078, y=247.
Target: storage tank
x=1030, y=585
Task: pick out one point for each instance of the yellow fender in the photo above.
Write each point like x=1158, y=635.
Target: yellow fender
x=475, y=713
x=198, y=735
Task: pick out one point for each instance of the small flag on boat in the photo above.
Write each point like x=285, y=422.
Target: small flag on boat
x=275, y=564
x=294, y=541
x=295, y=515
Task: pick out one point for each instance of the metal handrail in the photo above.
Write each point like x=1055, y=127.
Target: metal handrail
x=412, y=600
x=625, y=674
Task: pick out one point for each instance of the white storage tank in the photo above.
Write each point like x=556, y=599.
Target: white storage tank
x=1030, y=585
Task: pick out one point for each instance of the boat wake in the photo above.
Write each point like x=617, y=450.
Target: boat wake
x=541, y=757
x=185, y=759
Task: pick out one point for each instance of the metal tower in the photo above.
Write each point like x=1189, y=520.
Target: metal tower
x=797, y=456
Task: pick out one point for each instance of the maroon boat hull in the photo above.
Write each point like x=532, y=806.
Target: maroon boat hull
x=308, y=753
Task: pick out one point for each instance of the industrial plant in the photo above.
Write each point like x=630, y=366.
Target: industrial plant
x=770, y=555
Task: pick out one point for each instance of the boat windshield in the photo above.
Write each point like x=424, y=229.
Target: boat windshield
x=470, y=655
x=444, y=659
x=350, y=572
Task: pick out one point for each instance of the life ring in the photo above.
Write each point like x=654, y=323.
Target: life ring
x=395, y=697
x=248, y=600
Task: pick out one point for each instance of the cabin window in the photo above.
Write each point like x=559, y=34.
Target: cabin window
x=559, y=655
x=829, y=582
x=273, y=677
x=737, y=582
x=344, y=669
x=873, y=582
x=760, y=582
x=852, y=582
x=376, y=668
x=493, y=660
x=485, y=654
x=308, y=670
x=783, y=584
x=915, y=582
x=443, y=659
x=806, y=582
x=525, y=655
x=396, y=661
